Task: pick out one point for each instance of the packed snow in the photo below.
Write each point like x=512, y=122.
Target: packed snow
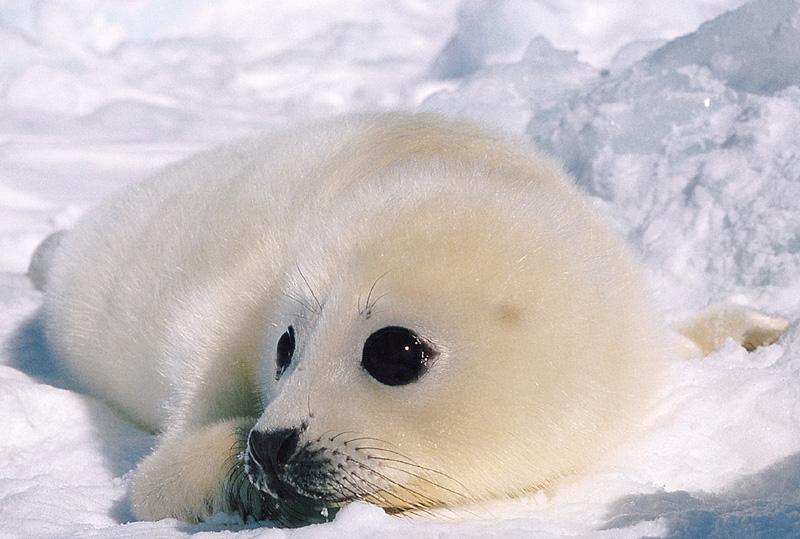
x=679, y=120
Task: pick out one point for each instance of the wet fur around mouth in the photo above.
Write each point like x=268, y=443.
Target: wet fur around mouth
x=281, y=501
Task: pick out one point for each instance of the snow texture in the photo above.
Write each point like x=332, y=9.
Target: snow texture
x=679, y=120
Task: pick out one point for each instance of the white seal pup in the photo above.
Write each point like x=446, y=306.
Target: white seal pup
x=391, y=308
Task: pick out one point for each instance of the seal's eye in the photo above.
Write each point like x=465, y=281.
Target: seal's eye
x=285, y=351
x=396, y=356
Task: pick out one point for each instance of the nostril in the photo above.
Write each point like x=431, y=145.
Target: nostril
x=274, y=448
x=287, y=447
x=257, y=447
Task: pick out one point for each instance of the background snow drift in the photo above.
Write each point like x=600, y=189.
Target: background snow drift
x=681, y=120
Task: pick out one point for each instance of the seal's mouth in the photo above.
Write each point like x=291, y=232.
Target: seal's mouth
x=289, y=492
x=306, y=481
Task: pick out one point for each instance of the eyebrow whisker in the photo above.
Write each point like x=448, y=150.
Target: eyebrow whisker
x=300, y=302
x=367, y=305
x=311, y=290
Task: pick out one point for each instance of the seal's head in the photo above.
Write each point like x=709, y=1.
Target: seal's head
x=465, y=344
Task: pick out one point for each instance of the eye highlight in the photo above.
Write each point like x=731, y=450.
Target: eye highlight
x=396, y=356
x=285, y=351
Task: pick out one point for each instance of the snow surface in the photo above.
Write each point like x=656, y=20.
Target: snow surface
x=689, y=144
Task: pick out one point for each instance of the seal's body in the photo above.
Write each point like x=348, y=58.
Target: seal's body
x=392, y=308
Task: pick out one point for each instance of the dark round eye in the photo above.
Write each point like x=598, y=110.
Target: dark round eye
x=396, y=356
x=285, y=351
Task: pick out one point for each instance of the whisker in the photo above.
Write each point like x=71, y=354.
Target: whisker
x=359, y=439
x=341, y=433
x=435, y=484
x=313, y=295
x=375, y=496
x=407, y=460
x=239, y=493
x=371, y=290
x=370, y=438
x=408, y=504
x=433, y=502
x=390, y=451
x=301, y=302
x=360, y=492
x=377, y=300
x=287, y=508
x=454, y=510
x=438, y=504
x=415, y=465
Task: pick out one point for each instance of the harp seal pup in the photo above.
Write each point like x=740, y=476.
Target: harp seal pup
x=392, y=308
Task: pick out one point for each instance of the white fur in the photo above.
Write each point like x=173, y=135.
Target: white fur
x=169, y=299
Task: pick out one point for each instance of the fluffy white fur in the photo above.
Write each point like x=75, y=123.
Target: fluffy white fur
x=169, y=300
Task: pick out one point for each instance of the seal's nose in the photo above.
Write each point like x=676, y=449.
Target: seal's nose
x=273, y=449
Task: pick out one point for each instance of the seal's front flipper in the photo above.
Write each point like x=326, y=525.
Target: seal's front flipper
x=706, y=332
x=197, y=472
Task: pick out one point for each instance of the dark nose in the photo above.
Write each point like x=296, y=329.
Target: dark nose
x=273, y=448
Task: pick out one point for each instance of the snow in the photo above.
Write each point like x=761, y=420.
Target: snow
x=688, y=144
